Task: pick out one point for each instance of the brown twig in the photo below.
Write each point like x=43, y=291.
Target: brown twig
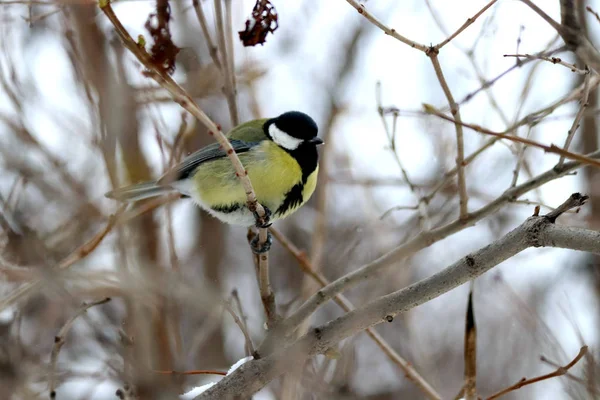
x=549, y=149
x=59, y=341
x=569, y=375
x=347, y=306
x=524, y=381
x=594, y=13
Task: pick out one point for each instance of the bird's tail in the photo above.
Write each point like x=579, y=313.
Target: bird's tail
x=138, y=191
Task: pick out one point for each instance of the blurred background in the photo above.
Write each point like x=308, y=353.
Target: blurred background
x=78, y=117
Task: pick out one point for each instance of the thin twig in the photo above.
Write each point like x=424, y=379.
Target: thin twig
x=594, y=13
x=347, y=306
x=584, y=103
x=192, y=372
x=464, y=26
x=524, y=381
x=460, y=148
x=448, y=175
x=520, y=160
x=545, y=16
x=120, y=217
x=388, y=31
x=568, y=374
x=549, y=149
x=239, y=322
x=397, y=208
x=230, y=52
x=391, y=136
x=553, y=60
x=212, y=49
x=236, y=298
x=227, y=69
x=59, y=341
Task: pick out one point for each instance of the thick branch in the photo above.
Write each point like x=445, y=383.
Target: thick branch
x=419, y=242
x=536, y=231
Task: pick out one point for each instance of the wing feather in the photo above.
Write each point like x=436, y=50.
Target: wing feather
x=213, y=151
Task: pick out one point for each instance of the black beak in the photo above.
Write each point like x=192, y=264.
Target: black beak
x=316, y=141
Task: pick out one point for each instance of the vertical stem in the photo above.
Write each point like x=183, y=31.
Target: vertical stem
x=460, y=147
x=212, y=48
x=227, y=67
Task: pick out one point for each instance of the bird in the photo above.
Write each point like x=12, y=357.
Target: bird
x=279, y=154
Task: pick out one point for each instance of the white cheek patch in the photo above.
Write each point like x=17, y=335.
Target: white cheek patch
x=283, y=139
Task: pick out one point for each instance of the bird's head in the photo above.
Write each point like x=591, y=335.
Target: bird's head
x=292, y=130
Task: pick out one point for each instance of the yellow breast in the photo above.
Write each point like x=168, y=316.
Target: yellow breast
x=272, y=171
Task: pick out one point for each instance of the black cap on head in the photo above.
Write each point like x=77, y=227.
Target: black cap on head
x=297, y=124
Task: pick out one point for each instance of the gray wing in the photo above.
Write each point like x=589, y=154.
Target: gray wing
x=213, y=151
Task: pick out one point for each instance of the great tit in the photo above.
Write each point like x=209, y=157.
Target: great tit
x=280, y=155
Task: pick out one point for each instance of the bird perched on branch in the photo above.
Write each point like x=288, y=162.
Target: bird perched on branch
x=279, y=154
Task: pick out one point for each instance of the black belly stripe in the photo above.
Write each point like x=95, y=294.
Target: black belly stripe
x=293, y=198
x=226, y=208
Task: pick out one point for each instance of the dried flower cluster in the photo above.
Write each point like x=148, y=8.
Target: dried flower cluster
x=163, y=51
x=262, y=22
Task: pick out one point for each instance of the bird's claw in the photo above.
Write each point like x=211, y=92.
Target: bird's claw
x=263, y=222
x=261, y=248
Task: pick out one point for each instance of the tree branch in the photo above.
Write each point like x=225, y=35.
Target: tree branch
x=536, y=231
x=419, y=242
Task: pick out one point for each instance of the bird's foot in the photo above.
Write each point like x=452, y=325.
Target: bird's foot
x=263, y=222
x=260, y=248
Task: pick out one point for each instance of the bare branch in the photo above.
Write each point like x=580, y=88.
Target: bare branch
x=228, y=67
x=584, y=103
x=419, y=242
x=549, y=149
x=347, y=306
x=59, y=341
x=212, y=48
x=464, y=26
x=524, y=382
x=241, y=324
x=536, y=231
x=388, y=31
x=553, y=60
x=460, y=147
